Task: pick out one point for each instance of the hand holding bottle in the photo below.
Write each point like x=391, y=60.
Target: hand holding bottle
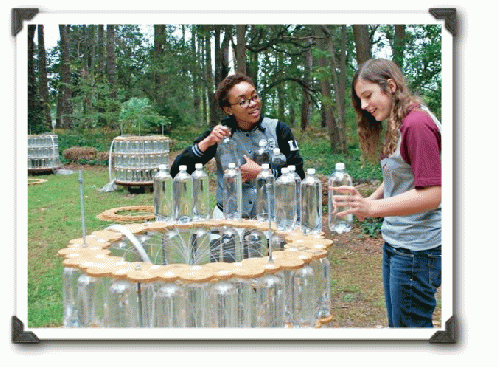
x=356, y=204
x=218, y=133
x=249, y=170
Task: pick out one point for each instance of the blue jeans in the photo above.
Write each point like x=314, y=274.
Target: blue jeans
x=411, y=279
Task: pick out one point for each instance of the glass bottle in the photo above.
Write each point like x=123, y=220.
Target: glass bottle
x=278, y=161
x=247, y=281
x=182, y=196
x=223, y=301
x=262, y=155
x=230, y=244
x=265, y=191
x=311, y=203
x=305, y=298
x=121, y=298
x=232, y=193
x=254, y=244
x=270, y=298
x=163, y=195
x=228, y=153
x=297, y=178
x=339, y=178
x=201, y=194
x=285, y=202
x=70, y=275
x=200, y=240
x=197, y=285
x=143, y=280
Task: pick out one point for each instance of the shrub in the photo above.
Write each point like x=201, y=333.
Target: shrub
x=75, y=154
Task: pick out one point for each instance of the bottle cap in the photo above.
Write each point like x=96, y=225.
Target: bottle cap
x=292, y=168
x=284, y=170
x=163, y=167
x=262, y=143
x=232, y=165
x=199, y=165
x=277, y=151
x=340, y=165
x=265, y=166
x=311, y=171
x=182, y=168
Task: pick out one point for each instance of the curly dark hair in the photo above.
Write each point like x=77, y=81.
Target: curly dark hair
x=221, y=94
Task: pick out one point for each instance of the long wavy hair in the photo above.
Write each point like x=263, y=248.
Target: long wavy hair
x=379, y=71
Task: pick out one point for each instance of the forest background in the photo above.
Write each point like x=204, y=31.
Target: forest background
x=160, y=79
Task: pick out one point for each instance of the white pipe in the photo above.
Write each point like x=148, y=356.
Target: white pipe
x=133, y=239
x=111, y=161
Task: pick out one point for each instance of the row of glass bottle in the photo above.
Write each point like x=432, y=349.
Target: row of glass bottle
x=137, y=160
x=276, y=198
x=295, y=297
x=287, y=200
x=45, y=140
x=43, y=152
x=141, y=146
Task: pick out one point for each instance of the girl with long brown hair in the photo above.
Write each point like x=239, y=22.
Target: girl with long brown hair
x=409, y=197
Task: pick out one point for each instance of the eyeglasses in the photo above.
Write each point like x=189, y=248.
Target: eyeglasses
x=246, y=102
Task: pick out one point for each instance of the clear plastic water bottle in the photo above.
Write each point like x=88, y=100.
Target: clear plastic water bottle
x=169, y=305
x=163, y=195
x=254, y=244
x=285, y=202
x=182, y=196
x=201, y=194
x=231, y=246
x=270, y=300
x=262, y=154
x=306, y=300
x=200, y=240
x=337, y=224
x=292, y=171
x=224, y=301
x=278, y=161
x=70, y=275
x=229, y=153
x=265, y=182
x=311, y=203
x=232, y=193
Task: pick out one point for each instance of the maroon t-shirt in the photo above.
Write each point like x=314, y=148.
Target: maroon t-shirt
x=421, y=147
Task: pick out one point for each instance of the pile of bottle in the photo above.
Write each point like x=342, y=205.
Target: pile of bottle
x=134, y=160
x=43, y=152
x=107, y=283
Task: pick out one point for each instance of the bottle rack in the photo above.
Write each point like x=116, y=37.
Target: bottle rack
x=43, y=153
x=134, y=160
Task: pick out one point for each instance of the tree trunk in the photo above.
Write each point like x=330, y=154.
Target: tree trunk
x=209, y=81
x=339, y=86
x=111, y=73
x=225, y=52
x=101, y=54
x=111, y=65
x=65, y=95
x=362, y=43
x=306, y=107
x=399, y=45
x=196, y=102
x=33, y=117
x=327, y=101
x=241, y=48
x=43, y=82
